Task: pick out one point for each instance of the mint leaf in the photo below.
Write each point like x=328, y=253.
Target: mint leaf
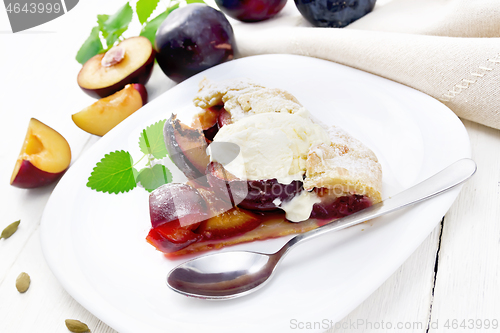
x=151, y=140
x=101, y=19
x=114, y=173
x=90, y=47
x=149, y=30
x=152, y=178
x=144, y=9
x=112, y=27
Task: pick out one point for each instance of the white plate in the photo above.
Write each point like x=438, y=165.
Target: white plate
x=95, y=243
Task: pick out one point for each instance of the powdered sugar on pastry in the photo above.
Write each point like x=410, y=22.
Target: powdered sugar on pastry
x=242, y=97
x=344, y=166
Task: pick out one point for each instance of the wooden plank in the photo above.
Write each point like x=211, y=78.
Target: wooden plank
x=404, y=299
x=46, y=305
x=467, y=282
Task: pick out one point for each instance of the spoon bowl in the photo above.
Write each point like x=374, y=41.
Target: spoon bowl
x=223, y=275
x=234, y=274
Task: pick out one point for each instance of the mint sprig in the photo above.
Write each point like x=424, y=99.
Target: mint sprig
x=152, y=178
x=90, y=47
x=111, y=27
x=116, y=173
x=149, y=29
x=144, y=9
x=151, y=140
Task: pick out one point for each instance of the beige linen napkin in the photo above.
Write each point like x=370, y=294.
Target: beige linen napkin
x=448, y=49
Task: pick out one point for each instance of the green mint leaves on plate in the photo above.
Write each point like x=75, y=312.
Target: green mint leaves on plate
x=152, y=178
x=110, y=28
x=151, y=140
x=116, y=172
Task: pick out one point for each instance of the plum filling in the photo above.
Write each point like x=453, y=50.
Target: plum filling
x=216, y=209
x=204, y=220
x=260, y=195
x=340, y=207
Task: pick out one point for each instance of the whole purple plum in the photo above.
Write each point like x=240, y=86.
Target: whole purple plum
x=192, y=39
x=251, y=10
x=334, y=13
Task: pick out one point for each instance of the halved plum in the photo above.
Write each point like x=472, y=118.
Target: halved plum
x=186, y=147
x=131, y=61
x=261, y=195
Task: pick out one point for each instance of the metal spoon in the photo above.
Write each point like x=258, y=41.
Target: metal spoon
x=234, y=274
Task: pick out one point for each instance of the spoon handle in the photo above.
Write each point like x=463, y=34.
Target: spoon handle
x=444, y=180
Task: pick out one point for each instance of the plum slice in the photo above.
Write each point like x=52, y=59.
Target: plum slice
x=171, y=237
x=103, y=115
x=261, y=195
x=177, y=202
x=233, y=222
x=224, y=118
x=175, y=211
x=207, y=121
x=186, y=147
x=181, y=215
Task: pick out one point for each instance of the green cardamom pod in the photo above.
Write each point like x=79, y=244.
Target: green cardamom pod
x=76, y=326
x=10, y=230
x=23, y=282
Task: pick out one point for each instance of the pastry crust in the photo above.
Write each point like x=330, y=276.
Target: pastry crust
x=243, y=97
x=344, y=166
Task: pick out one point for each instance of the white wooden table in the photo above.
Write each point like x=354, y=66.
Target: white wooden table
x=453, y=276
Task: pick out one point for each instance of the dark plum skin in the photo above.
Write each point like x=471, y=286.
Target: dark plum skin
x=187, y=149
x=250, y=194
x=251, y=10
x=176, y=202
x=334, y=13
x=192, y=39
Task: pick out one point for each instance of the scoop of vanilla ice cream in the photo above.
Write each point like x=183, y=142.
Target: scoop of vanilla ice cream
x=272, y=145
